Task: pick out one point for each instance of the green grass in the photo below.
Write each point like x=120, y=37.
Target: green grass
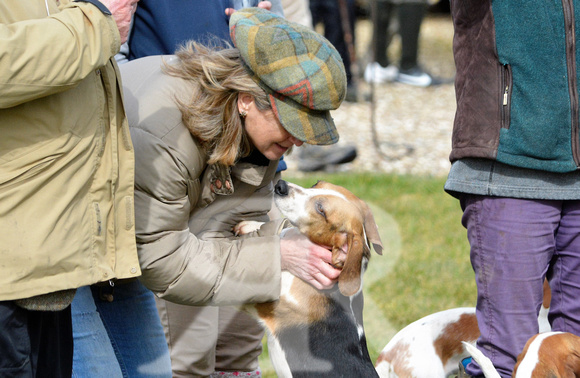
x=425, y=266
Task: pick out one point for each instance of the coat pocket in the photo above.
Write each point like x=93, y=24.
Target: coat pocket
x=22, y=164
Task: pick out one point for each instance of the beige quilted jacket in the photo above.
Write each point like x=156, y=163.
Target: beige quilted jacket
x=186, y=247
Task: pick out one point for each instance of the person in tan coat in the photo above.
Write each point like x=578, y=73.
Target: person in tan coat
x=209, y=126
x=66, y=173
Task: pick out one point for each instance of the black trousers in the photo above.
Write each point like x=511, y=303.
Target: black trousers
x=35, y=343
x=410, y=17
x=328, y=13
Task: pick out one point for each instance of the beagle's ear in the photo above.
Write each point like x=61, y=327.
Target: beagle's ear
x=372, y=230
x=349, y=280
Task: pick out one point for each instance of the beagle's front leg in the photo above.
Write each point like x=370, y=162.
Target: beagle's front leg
x=246, y=227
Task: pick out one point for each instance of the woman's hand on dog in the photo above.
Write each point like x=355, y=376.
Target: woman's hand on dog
x=306, y=260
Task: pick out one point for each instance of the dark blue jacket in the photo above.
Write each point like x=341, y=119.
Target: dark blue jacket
x=161, y=26
x=517, y=82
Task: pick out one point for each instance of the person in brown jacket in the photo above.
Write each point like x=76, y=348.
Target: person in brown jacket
x=66, y=173
x=209, y=126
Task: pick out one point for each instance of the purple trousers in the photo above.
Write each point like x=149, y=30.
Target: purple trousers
x=515, y=244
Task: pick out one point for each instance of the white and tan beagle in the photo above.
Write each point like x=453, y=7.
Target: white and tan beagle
x=314, y=333
x=549, y=354
x=432, y=346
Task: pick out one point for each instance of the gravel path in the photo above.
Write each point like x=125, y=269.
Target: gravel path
x=413, y=125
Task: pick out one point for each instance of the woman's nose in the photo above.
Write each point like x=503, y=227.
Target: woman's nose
x=296, y=141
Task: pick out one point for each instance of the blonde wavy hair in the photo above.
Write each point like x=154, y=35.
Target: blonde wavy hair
x=217, y=75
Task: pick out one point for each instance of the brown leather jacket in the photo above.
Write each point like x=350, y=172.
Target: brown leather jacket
x=517, y=83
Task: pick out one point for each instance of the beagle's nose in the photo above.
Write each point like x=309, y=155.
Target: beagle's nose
x=281, y=188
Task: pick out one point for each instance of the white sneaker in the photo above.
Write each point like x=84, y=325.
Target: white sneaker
x=378, y=74
x=415, y=76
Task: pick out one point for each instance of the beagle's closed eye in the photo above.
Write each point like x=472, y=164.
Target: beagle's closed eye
x=319, y=206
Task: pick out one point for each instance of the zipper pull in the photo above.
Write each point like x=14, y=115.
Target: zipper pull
x=505, y=96
x=106, y=293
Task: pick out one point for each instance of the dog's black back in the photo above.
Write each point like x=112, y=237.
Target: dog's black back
x=332, y=347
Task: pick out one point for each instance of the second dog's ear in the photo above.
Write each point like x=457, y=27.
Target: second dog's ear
x=349, y=281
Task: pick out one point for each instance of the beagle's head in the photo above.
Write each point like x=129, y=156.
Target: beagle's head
x=331, y=215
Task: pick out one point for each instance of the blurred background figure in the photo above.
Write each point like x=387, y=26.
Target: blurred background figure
x=338, y=19
x=408, y=16
x=297, y=11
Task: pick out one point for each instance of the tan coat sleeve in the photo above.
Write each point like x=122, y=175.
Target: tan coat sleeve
x=178, y=266
x=39, y=57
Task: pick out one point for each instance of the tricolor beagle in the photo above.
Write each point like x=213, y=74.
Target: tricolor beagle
x=432, y=347
x=550, y=354
x=315, y=333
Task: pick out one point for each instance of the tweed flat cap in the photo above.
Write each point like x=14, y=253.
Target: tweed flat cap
x=299, y=69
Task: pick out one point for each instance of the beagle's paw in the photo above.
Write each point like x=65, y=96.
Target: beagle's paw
x=245, y=227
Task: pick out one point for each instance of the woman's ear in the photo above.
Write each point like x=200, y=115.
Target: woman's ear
x=245, y=100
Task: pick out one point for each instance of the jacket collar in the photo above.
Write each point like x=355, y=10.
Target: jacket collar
x=218, y=179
